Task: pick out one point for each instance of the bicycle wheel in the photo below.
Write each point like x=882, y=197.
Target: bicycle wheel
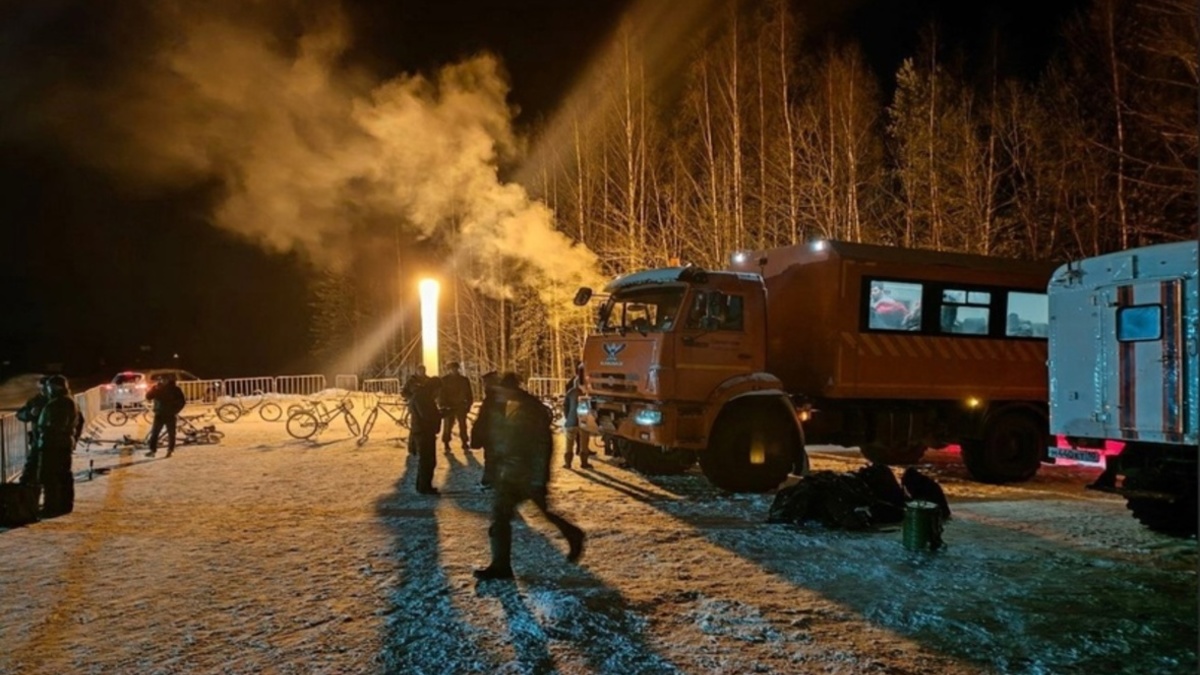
x=270, y=412
x=367, y=426
x=294, y=408
x=229, y=413
x=147, y=415
x=352, y=423
x=117, y=417
x=302, y=425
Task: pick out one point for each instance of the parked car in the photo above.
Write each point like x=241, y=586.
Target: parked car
x=128, y=388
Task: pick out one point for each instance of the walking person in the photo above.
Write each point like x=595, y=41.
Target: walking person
x=480, y=436
x=426, y=418
x=455, y=400
x=29, y=414
x=519, y=431
x=576, y=437
x=168, y=401
x=58, y=429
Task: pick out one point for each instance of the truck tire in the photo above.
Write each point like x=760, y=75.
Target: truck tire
x=752, y=447
x=1176, y=518
x=1010, y=451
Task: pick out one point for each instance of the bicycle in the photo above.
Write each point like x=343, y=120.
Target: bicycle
x=305, y=424
x=232, y=412
x=311, y=404
x=119, y=416
x=188, y=433
x=401, y=417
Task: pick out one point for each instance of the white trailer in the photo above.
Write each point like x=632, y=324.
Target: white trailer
x=1123, y=367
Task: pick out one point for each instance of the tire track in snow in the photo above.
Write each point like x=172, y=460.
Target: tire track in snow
x=80, y=568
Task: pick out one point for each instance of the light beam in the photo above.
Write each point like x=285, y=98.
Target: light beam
x=429, y=325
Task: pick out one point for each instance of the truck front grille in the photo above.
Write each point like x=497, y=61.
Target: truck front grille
x=618, y=383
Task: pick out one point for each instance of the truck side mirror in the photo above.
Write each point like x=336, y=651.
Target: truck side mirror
x=582, y=296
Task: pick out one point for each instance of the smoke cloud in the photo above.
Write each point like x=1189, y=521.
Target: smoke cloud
x=315, y=154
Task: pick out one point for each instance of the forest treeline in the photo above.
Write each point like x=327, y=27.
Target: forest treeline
x=768, y=136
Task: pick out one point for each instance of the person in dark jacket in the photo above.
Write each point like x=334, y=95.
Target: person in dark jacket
x=29, y=414
x=456, y=400
x=425, y=420
x=518, y=428
x=414, y=381
x=57, y=432
x=411, y=385
x=575, y=436
x=479, y=430
x=168, y=400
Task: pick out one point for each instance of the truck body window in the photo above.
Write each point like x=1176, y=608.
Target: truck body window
x=1028, y=315
x=894, y=305
x=965, y=312
x=1139, y=323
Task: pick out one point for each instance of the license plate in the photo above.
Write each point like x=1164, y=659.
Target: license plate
x=1076, y=454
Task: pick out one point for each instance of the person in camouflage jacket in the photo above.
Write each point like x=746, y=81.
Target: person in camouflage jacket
x=518, y=429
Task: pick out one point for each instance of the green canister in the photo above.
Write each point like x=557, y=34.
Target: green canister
x=922, y=526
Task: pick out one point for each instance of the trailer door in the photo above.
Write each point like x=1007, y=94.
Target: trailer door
x=1142, y=327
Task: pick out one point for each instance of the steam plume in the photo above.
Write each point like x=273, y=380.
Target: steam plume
x=313, y=153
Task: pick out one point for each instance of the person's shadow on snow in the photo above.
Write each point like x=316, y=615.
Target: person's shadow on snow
x=528, y=638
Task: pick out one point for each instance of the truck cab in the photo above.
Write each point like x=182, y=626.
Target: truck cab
x=673, y=348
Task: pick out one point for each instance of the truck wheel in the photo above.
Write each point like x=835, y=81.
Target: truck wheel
x=1010, y=451
x=1177, y=518
x=751, y=447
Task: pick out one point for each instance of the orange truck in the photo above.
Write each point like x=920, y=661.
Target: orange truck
x=891, y=350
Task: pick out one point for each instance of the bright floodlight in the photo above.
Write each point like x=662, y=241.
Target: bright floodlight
x=429, y=325
x=820, y=245
x=739, y=257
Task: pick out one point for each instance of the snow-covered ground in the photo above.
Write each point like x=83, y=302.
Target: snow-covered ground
x=266, y=554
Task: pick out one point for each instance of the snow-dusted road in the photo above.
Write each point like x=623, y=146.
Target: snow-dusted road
x=265, y=554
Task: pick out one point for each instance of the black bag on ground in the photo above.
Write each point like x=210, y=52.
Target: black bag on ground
x=888, y=507
x=837, y=500
x=18, y=505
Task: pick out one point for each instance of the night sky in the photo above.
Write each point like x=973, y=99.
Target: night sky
x=100, y=273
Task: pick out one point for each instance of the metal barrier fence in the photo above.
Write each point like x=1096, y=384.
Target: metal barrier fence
x=249, y=386
x=347, y=382
x=201, y=391
x=386, y=385
x=299, y=385
x=14, y=447
x=547, y=387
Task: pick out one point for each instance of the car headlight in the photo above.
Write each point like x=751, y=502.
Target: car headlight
x=647, y=418
x=582, y=408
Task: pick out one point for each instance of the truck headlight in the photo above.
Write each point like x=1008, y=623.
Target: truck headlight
x=582, y=408
x=647, y=418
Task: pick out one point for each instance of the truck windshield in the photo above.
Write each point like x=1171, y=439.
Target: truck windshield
x=645, y=310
